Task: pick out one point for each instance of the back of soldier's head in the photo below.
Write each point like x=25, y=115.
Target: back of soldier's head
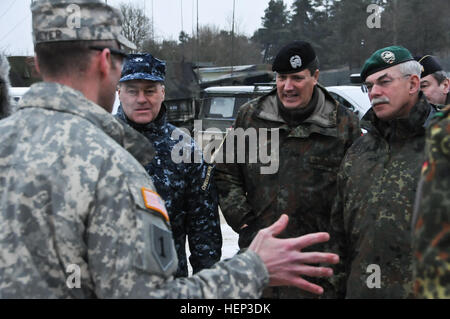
x=64, y=32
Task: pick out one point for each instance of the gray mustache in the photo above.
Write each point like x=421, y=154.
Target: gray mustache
x=380, y=100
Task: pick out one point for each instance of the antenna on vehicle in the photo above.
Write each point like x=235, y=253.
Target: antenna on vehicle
x=232, y=40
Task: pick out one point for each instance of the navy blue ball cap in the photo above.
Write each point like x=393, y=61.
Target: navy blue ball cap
x=294, y=57
x=143, y=66
x=429, y=64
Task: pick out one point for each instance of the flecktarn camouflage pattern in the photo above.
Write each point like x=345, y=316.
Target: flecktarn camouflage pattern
x=189, y=192
x=71, y=195
x=76, y=20
x=303, y=187
x=431, y=240
x=371, y=218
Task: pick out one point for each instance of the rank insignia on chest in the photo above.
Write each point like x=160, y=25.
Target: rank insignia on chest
x=154, y=202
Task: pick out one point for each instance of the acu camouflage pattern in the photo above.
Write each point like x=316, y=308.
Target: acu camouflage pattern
x=76, y=20
x=371, y=218
x=431, y=240
x=72, y=195
x=189, y=192
x=304, y=186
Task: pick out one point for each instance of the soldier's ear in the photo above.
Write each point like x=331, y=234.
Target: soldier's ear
x=36, y=65
x=104, y=62
x=414, y=84
x=446, y=85
x=316, y=76
x=163, y=90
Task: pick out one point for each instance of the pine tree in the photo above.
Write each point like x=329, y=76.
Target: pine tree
x=301, y=25
x=275, y=32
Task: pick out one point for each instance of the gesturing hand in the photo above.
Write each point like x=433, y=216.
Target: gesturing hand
x=286, y=262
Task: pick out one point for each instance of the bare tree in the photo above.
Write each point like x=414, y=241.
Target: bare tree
x=137, y=27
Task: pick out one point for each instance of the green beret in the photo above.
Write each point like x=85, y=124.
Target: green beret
x=385, y=58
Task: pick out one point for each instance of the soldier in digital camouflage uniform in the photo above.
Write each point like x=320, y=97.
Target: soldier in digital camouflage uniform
x=79, y=215
x=314, y=133
x=431, y=222
x=4, y=87
x=187, y=188
x=371, y=218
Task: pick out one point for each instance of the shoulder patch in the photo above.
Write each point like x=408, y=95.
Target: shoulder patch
x=154, y=202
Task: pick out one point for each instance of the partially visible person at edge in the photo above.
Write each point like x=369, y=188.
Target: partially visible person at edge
x=4, y=87
x=371, y=218
x=79, y=215
x=188, y=188
x=431, y=221
x=434, y=81
x=314, y=133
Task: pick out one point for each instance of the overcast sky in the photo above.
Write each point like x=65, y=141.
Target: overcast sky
x=15, y=18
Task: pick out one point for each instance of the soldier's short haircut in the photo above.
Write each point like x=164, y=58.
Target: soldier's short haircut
x=410, y=68
x=440, y=76
x=313, y=66
x=66, y=57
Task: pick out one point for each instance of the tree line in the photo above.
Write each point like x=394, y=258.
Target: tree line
x=343, y=32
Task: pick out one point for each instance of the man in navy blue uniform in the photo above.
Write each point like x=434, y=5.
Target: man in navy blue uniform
x=187, y=188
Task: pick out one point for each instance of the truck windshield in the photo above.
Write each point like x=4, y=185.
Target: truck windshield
x=222, y=106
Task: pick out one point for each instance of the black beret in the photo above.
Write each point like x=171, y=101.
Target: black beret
x=429, y=65
x=294, y=57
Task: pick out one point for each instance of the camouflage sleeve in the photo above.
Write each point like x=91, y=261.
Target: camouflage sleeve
x=203, y=221
x=350, y=122
x=230, y=184
x=432, y=230
x=338, y=238
x=132, y=255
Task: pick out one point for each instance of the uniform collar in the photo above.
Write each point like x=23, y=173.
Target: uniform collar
x=324, y=115
x=61, y=98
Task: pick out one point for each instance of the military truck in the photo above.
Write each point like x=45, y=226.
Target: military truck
x=218, y=107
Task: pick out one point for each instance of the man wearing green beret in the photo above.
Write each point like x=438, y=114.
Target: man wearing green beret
x=377, y=182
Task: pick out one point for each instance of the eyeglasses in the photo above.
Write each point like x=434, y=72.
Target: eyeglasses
x=384, y=82
x=120, y=53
